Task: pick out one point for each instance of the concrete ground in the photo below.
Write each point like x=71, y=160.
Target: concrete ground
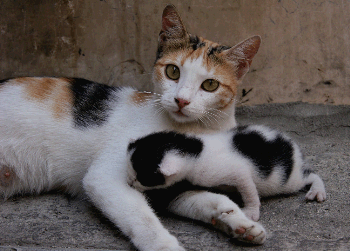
x=57, y=222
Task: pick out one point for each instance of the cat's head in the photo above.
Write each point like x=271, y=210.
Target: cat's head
x=161, y=159
x=198, y=78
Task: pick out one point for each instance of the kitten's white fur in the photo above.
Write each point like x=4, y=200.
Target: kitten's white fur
x=220, y=165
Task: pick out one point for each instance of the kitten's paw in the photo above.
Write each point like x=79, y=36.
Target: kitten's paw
x=237, y=225
x=319, y=195
x=252, y=213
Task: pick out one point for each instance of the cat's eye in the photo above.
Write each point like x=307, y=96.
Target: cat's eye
x=210, y=85
x=172, y=72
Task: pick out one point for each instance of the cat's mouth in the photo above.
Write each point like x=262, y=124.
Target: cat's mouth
x=180, y=113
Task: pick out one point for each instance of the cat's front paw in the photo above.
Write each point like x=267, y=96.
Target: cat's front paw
x=173, y=249
x=252, y=213
x=167, y=243
x=237, y=225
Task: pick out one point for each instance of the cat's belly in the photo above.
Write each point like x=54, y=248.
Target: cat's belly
x=40, y=151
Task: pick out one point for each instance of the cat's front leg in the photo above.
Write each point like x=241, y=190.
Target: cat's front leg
x=127, y=208
x=221, y=212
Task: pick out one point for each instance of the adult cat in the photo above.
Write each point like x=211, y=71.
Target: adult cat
x=72, y=134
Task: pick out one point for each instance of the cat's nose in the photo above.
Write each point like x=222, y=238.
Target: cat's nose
x=181, y=103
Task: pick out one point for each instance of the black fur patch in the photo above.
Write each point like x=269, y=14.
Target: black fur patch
x=159, y=52
x=150, y=151
x=195, y=42
x=91, y=102
x=217, y=49
x=265, y=154
x=3, y=81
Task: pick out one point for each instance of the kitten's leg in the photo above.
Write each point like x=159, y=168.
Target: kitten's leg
x=317, y=189
x=128, y=209
x=246, y=187
x=220, y=211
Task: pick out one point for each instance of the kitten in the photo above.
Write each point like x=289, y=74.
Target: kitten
x=72, y=134
x=254, y=159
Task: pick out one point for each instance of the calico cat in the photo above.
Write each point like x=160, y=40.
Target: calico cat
x=255, y=159
x=72, y=134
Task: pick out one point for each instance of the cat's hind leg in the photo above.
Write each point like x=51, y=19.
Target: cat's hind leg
x=221, y=212
x=317, y=190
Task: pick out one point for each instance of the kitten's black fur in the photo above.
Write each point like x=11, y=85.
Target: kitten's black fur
x=265, y=154
x=150, y=150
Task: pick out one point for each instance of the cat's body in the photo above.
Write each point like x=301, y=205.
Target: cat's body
x=254, y=159
x=72, y=134
x=57, y=148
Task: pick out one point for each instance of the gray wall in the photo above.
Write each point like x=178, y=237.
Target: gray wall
x=304, y=54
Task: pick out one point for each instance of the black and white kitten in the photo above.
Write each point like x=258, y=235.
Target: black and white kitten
x=254, y=159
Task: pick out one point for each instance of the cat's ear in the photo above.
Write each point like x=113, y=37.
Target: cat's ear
x=172, y=26
x=242, y=55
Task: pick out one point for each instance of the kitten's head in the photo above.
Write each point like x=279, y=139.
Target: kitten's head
x=160, y=159
x=198, y=78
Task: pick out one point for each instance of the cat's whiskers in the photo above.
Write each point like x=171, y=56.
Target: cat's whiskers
x=160, y=110
x=153, y=99
x=217, y=112
x=212, y=116
x=205, y=120
x=212, y=119
x=202, y=121
x=238, y=101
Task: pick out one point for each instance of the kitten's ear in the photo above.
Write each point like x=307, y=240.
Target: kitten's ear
x=171, y=165
x=172, y=26
x=242, y=54
x=168, y=169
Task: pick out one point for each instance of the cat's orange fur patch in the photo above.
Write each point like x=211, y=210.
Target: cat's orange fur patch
x=40, y=89
x=139, y=98
x=226, y=97
x=158, y=75
x=62, y=100
x=54, y=92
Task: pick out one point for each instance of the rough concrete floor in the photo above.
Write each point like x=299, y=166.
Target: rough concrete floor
x=56, y=222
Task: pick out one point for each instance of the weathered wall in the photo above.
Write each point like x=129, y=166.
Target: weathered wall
x=305, y=53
